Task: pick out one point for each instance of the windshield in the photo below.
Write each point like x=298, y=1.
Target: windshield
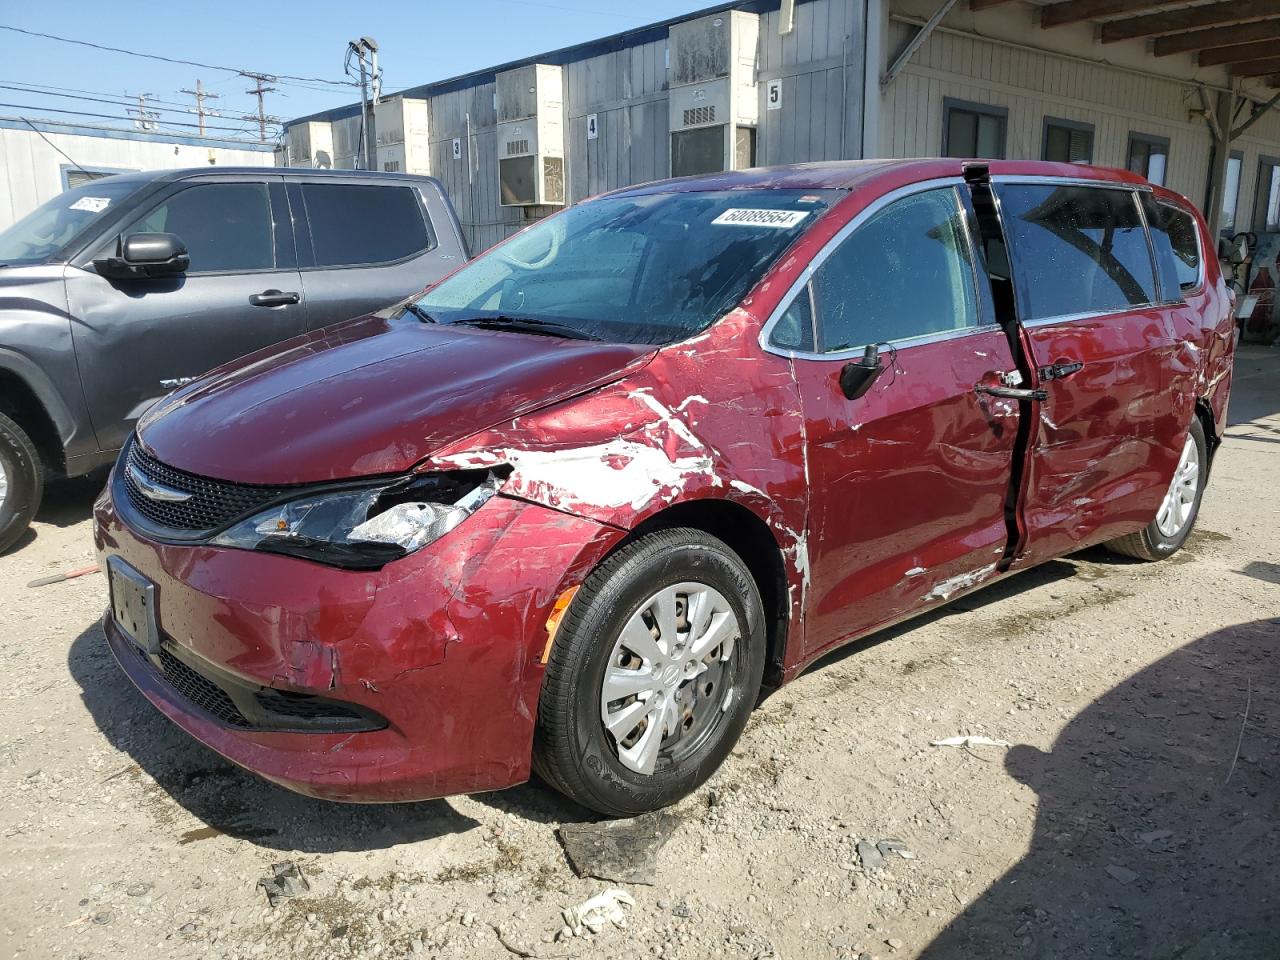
x=38, y=236
x=646, y=269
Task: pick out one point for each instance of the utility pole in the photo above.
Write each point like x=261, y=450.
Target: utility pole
x=365, y=50
x=201, y=96
x=258, y=80
x=144, y=119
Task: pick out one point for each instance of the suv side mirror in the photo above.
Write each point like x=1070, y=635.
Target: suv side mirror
x=145, y=255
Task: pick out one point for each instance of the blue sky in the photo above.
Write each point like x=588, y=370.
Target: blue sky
x=419, y=42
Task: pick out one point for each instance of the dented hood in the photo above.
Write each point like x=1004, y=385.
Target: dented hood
x=367, y=397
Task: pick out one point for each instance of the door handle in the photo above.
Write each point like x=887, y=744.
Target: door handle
x=1006, y=385
x=274, y=298
x=1060, y=370
x=1010, y=393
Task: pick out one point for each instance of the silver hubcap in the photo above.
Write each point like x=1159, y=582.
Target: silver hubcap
x=1181, y=498
x=666, y=682
x=4, y=484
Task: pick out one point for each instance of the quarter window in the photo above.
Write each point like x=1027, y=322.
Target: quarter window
x=226, y=226
x=1149, y=156
x=1177, y=249
x=905, y=272
x=358, y=224
x=1076, y=250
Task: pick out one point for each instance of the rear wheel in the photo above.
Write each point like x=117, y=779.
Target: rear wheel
x=654, y=673
x=21, y=482
x=1173, y=522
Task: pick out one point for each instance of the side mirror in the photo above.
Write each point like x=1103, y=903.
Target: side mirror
x=145, y=255
x=857, y=377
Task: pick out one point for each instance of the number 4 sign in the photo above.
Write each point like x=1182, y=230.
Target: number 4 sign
x=593, y=131
x=773, y=94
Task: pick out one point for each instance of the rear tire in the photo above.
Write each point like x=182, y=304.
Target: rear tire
x=694, y=682
x=21, y=482
x=1168, y=531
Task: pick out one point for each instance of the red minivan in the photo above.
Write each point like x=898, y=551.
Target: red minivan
x=569, y=510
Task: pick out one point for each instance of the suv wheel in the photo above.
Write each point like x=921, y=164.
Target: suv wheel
x=21, y=482
x=653, y=675
x=1173, y=522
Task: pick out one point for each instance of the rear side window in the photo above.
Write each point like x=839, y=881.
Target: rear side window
x=226, y=226
x=904, y=273
x=1076, y=250
x=355, y=224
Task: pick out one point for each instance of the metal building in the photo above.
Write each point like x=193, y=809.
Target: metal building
x=1179, y=90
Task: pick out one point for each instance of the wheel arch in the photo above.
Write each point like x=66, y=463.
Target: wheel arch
x=1204, y=411
x=744, y=532
x=22, y=403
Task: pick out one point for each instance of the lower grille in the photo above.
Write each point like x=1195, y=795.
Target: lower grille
x=300, y=706
x=201, y=691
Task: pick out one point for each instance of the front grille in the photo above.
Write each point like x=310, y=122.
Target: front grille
x=301, y=706
x=213, y=503
x=200, y=690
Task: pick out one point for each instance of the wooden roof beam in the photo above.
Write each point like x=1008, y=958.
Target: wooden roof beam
x=1077, y=11
x=1216, y=37
x=979, y=5
x=1240, y=53
x=1191, y=18
x=1256, y=68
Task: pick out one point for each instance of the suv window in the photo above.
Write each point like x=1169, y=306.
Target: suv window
x=226, y=226
x=1076, y=249
x=905, y=272
x=356, y=224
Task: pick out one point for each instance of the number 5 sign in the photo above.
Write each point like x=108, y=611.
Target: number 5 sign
x=773, y=94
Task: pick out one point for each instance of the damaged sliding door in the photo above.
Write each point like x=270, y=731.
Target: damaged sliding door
x=909, y=481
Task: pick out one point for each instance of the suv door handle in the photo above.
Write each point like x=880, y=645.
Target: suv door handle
x=274, y=298
x=1006, y=385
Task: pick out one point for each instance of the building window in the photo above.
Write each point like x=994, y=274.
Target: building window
x=73, y=177
x=1149, y=156
x=1067, y=141
x=973, y=130
x=1266, y=207
x=1231, y=192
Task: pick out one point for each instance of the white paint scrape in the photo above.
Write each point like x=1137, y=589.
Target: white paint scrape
x=953, y=585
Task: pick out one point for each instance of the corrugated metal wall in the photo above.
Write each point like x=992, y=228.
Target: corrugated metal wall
x=626, y=89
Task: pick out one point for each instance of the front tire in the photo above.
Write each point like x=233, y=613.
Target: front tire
x=1173, y=522
x=21, y=482
x=654, y=672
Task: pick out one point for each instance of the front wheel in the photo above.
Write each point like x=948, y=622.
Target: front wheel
x=21, y=482
x=654, y=672
x=1173, y=522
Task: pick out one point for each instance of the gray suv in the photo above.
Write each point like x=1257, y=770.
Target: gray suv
x=116, y=292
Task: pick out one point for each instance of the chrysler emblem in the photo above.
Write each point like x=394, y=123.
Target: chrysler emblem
x=156, y=491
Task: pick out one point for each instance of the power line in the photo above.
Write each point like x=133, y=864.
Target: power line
x=52, y=144
x=109, y=116
x=48, y=89
x=155, y=56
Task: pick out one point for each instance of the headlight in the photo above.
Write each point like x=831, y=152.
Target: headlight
x=365, y=528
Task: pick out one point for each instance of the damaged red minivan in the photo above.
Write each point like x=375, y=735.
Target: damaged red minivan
x=571, y=508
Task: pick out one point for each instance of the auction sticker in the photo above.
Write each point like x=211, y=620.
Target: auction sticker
x=92, y=204
x=748, y=217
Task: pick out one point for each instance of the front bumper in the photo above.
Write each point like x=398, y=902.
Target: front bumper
x=441, y=649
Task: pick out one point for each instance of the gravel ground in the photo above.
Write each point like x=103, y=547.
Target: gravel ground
x=1136, y=815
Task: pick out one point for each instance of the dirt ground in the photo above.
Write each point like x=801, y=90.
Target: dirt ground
x=1136, y=815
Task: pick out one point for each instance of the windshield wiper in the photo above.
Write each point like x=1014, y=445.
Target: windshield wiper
x=531, y=325
x=418, y=312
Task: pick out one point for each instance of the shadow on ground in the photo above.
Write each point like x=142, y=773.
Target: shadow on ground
x=1158, y=827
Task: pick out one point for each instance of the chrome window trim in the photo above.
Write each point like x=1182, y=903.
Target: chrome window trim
x=1010, y=178
x=821, y=257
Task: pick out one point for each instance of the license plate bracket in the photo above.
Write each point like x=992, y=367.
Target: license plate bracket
x=133, y=605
